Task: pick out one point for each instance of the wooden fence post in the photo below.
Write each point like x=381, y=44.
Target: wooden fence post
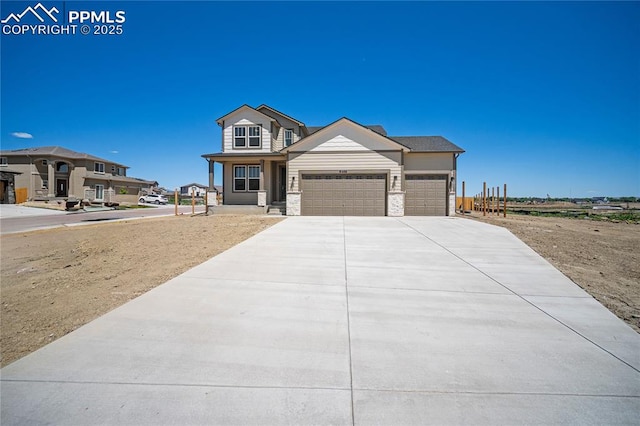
x=497, y=201
x=505, y=200
x=463, y=199
x=193, y=202
x=176, y=200
x=484, y=198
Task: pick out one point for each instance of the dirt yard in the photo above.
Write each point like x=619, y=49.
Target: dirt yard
x=54, y=281
x=601, y=257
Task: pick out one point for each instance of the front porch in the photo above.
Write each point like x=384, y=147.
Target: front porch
x=258, y=180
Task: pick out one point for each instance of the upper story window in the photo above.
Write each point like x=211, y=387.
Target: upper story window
x=240, y=136
x=4, y=161
x=120, y=171
x=45, y=162
x=98, y=167
x=62, y=167
x=288, y=137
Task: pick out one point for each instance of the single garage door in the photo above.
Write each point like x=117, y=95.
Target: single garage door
x=426, y=195
x=343, y=195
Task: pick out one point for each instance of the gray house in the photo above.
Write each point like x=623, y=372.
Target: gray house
x=343, y=168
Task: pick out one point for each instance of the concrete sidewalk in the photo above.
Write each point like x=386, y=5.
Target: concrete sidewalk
x=345, y=321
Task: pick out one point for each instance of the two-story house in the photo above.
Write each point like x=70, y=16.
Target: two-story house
x=343, y=168
x=51, y=172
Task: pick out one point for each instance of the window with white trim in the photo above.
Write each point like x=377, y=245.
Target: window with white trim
x=246, y=178
x=254, y=178
x=254, y=137
x=4, y=161
x=247, y=136
x=240, y=137
x=120, y=171
x=239, y=178
x=288, y=137
x=98, y=167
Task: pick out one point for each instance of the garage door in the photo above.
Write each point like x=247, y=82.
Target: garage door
x=343, y=195
x=426, y=195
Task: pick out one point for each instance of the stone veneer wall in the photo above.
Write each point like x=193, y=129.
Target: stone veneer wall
x=452, y=204
x=395, y=203
x=262, y=198
x=294, y=207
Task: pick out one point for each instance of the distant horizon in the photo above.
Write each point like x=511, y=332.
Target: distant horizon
x=543, y=96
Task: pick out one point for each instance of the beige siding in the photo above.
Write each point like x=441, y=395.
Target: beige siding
x=246, y=117
x=428, y=162
x=278, y=135
x=248, y=197
x=369, y=161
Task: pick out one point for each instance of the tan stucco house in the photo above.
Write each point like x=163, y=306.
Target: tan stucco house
x=54, y=172
x=344, y=168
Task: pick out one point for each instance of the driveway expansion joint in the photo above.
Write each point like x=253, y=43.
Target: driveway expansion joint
x=522, y=297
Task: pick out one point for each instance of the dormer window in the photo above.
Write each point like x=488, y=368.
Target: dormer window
x=98, y=167
x=240, y=136
x=288, y=137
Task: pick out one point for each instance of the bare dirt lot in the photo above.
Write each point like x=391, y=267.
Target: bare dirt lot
x=54, y=281
x=601, y=257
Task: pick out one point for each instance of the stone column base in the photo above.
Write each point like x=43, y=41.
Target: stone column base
x=395, y=203
x=452, y=204
x=262, y=198
x=294, y=200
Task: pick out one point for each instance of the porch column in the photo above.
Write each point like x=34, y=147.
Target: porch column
x=262, y=193
x=211, y=165
x=70, y=189
x=261, y=175
x=51, y=176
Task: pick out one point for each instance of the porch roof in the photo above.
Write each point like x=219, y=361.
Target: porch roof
x=228, y=156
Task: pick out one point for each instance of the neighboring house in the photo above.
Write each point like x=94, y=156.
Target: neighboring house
x=52, y=172
x=7, y=185
x=197, y=189
x=344, y=168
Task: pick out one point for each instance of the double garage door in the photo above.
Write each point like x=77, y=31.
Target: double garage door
x=344, y=195
x=365, y=195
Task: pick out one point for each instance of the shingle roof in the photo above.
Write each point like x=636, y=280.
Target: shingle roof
x=199, y=185
x=427, y=143
x=375, y=127
x=55, y=151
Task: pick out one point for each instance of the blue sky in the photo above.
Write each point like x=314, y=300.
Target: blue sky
x=542, y=96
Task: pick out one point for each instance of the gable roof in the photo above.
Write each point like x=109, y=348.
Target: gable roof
x=245, y=106
x=56, y=151
x=350, y=122
x=265, y=106
x=375, y=127
x=199, y=185
x=427, y=143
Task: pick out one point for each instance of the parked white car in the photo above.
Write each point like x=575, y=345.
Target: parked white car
x=153, y=199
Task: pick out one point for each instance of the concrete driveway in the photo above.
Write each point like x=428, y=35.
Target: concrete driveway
x=345, y=321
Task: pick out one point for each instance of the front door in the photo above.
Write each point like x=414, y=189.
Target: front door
x=61, y=188
x=283, y=183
